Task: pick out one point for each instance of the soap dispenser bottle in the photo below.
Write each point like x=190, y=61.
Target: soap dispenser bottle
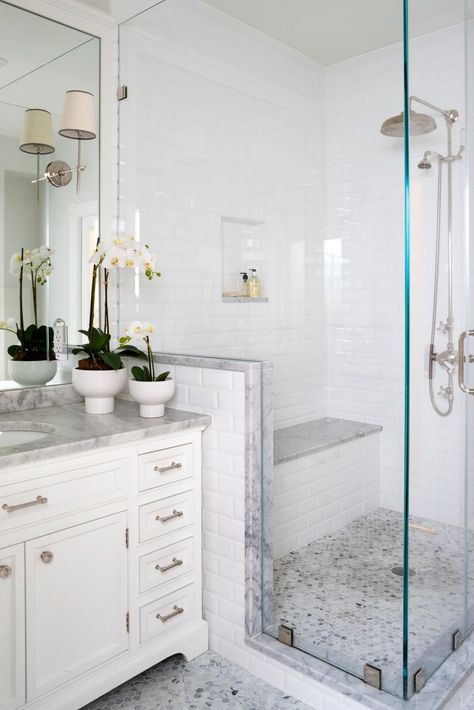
x=254, y=284
x=245, y=283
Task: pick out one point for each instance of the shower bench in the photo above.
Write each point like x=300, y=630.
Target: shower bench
x=326, y=474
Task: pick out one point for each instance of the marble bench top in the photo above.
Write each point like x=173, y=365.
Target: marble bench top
x=300, y=440
x=71, y=430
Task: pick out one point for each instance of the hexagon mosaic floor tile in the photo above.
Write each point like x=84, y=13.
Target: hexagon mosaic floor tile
x=207, y=682
x=344, y=602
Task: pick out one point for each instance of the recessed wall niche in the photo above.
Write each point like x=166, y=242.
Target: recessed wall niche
x=245, y=245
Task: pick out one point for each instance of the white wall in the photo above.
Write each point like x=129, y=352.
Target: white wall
x=364, y=265
x=224, y=122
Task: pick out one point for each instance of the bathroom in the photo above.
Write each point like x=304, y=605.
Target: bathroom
x=271, y=203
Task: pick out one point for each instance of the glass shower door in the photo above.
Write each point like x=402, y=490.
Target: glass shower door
x=436, y=575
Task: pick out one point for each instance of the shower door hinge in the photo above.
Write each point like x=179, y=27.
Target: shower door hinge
x=127, y=622
x=373, y=676
x=127, y=536
x=456, y=640
x=122, y=92
x=285, y=635
x=419, y=680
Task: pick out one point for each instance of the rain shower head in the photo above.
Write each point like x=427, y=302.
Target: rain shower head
x=420, y=124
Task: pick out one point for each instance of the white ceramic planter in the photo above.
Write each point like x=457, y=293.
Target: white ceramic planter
x=151, y=396
x=32, y=373
x=99, y=387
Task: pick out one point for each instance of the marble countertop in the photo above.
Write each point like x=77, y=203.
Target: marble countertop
x=70, y=430
x=300, y=440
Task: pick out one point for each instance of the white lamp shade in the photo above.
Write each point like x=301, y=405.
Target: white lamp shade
x=78, y=117
x=37, y=136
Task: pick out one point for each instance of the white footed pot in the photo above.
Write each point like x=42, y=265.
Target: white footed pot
x=151, y=396
x=32, y=372
x=99, y=387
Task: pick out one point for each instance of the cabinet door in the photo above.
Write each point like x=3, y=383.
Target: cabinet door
x=76, y=601
x=12, y=628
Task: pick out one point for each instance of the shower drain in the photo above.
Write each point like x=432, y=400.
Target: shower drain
x=399, y=571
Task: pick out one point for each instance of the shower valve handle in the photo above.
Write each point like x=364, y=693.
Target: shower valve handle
x=462, y=360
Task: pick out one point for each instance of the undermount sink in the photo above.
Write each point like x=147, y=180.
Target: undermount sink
x=17, y=433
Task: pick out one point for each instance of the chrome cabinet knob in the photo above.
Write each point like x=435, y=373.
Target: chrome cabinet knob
x=5, y=571
x=47, y=557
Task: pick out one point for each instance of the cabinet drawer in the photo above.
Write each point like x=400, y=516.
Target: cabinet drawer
x=159, y=468
x=29, y=502
x=166, y=515
x=167, y=613
x=166, y=564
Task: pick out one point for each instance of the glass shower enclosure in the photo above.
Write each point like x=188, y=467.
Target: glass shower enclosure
x=336, y=162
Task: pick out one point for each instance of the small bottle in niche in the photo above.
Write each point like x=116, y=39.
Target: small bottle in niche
x=245, y=283
x=255, y=289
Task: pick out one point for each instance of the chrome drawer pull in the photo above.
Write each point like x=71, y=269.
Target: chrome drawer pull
x=40, y=500
x=5, y=571
x=176, y=610
x=168, y=468
x=175, y=563
x=174, y=514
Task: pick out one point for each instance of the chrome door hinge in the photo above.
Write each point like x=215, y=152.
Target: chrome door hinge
x=127, y=536
x=373, y=676
x=286, y=635
x=122, y=92
x=419, y=680
x=127, y=622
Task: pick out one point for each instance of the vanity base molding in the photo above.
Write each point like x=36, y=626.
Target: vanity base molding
x=191, y=642
x=100, y=569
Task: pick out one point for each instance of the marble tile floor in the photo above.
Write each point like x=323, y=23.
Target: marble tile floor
x=345, y=604
x=208, y=682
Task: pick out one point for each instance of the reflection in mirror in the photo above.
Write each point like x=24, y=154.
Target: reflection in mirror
x=49, y=192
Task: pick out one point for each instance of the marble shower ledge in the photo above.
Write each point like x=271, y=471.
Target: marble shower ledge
x=308, y=438
x=76, y=431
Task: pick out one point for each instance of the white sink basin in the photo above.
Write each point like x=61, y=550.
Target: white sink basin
x=18, y=433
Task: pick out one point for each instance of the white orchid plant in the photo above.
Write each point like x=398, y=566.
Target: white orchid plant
x=127, y=253
x=138, y=332
x=35, y=341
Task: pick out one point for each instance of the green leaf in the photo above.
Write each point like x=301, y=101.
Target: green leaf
x=162, y=377
x=140, y=374
x=13, y=350
x=112, y=360
x=132, y=351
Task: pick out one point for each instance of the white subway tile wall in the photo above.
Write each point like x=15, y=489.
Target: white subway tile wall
x=364, y=266
x=224, y=123
x=318, y=494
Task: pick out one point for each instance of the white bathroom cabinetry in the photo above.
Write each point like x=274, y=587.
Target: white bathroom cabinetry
x=100, y=569
x=12, y=628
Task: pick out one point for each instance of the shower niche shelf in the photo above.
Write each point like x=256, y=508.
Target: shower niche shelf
x=243, y=299
x=245, y=245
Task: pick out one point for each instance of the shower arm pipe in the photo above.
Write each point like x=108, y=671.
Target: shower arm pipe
x=442, y=111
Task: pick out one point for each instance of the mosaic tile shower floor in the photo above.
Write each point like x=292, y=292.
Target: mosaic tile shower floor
x=207, y=682
x=345, y=604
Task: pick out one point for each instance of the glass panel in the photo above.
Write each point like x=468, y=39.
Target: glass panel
x=469, y=269
x=436, y=603
x=238, y=152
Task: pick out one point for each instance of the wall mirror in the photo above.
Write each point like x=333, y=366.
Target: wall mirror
x=49, y=191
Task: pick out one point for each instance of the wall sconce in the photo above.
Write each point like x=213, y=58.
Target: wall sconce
x=37, y=138
x=78, y=122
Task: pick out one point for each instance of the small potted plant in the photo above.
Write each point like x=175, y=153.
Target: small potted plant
x=150, y=390
x=100, y=374
x=33, y=361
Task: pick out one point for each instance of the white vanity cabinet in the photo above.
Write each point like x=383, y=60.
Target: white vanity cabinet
x=12, y=628
x=100, y=569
